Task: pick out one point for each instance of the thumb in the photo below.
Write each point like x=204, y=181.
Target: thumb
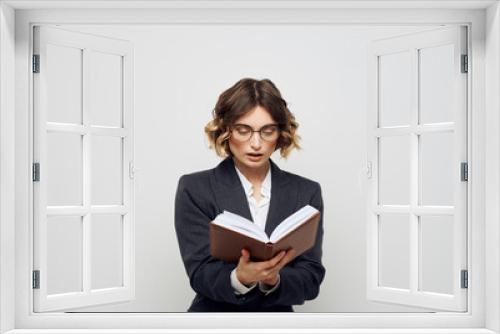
x=245, y=254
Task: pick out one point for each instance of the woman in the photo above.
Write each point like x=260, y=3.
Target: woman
x=250, y=121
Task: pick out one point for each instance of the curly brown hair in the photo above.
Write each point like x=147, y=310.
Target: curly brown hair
x=239, y=99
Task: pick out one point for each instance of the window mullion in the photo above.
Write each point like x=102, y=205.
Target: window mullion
x=87, y=191
x=414, y=170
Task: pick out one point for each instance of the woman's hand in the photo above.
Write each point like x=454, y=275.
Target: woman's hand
x=271, y=281
x=249, y=272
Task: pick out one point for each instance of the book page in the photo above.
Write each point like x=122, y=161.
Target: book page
x=241, y=225
x=292, y=222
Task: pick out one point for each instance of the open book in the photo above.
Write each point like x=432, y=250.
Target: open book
x=230, y=233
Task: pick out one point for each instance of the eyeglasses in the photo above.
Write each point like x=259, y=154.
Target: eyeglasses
x=243, y=132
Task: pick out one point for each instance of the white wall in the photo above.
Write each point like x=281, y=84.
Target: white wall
x=7, y=251
x=492, y=163
x=180, y=70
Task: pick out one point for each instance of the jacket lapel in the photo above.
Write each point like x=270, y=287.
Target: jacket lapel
x=230, y=195
x=283, y=198
x=228, y=190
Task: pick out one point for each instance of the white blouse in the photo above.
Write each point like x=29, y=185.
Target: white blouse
x=259, y=212
x=259, y=209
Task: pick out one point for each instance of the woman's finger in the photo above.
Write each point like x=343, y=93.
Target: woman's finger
x=263, y=265
x=245, y=255
x=286, y=259
x=273, y=272
x=276, y=259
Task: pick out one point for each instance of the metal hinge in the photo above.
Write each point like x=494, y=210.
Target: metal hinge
x=464, y=171
x=464, y=279
x=369, y=169
x=36, y=279
x=465, y=64
x=36, y=63
x=131, y=169
x=36, y=172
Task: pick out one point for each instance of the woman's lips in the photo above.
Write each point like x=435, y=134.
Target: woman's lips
x=254, y=156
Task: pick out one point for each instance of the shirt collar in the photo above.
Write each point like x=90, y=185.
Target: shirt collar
x=265, y=188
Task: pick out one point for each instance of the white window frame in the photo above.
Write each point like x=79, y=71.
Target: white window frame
x=414, y=133
x=16, y=300
x=88, y=130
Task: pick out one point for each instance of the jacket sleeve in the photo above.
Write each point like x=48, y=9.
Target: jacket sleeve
x=208, y=276
x=301, y=278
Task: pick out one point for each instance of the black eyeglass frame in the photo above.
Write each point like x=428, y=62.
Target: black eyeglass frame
x=251, y=130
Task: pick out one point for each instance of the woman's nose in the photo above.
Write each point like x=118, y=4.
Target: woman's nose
x=255, y=140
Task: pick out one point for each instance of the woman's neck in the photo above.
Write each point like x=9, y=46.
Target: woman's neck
x=254, y=175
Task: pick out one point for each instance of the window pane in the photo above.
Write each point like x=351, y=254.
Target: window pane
x=436, y=240
x=437, y=168
x=394, y=89
x=107, y=168
x=394, y=251
x=107, y=251
x=64, y=169
x=64, y=86
x=64, y=254
x=436, y=84
x=106, y=89
x=394, y=170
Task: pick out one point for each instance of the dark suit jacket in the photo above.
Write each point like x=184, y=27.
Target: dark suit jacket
x=200, y=197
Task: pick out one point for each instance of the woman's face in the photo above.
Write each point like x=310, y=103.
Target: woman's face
x=253, y=152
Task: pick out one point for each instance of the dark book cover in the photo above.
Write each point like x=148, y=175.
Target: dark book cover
x=226, y=244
